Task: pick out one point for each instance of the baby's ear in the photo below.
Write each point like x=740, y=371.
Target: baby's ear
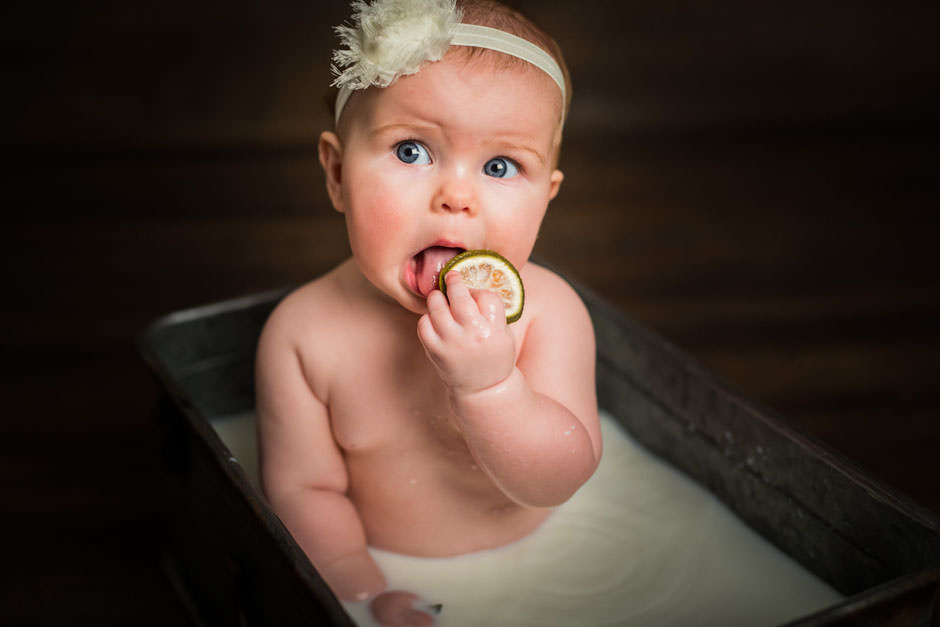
x=330, y=149
x=555, y=183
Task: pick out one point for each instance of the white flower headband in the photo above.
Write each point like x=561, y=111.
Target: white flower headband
x=392, y=38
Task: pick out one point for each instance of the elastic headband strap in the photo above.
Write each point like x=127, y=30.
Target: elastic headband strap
x=478, y=36
x=501, y=41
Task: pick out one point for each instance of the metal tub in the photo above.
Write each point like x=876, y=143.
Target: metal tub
x=233, y=562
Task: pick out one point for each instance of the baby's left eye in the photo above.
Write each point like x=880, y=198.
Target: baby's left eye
x=501, y=168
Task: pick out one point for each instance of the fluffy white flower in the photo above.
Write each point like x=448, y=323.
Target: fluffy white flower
x=392, y=38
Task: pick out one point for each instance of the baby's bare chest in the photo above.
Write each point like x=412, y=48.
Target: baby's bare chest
x=403, y=449
x=392, y=399
x=408, y=464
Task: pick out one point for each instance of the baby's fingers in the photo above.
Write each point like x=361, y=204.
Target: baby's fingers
x=396, y=608
x=491, y=307
x=462, y=303
x=438, y=321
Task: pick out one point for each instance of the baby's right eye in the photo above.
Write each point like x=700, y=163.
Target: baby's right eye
x=412, y=152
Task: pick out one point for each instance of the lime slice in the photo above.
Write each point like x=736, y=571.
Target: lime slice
x=487, y=270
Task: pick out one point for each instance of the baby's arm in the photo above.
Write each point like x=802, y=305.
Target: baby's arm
x=304, y=478
x=532, y=423
x=302, y=470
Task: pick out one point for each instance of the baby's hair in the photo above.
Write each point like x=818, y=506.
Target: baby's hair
x=500, y=16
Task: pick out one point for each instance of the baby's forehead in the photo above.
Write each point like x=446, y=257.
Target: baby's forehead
x=486, y=59
x=466, y=73
x=493, y=62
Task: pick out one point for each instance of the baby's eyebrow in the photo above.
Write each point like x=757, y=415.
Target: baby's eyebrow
x=400, y=127
x=524, y=148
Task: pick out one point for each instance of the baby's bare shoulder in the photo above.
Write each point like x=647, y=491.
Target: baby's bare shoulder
x=308, y=310
x=304, y=331
x=558, y=323
x=548, y=294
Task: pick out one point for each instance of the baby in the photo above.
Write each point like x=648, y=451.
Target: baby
x=390, y=415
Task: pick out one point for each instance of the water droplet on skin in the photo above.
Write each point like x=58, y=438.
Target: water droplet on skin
x=483, y=329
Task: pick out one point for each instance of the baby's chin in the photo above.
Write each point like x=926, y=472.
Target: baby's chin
x=392, y=293
x=409, y=300
x=417, y=306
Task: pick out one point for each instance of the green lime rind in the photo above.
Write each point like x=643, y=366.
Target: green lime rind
x=511, y=315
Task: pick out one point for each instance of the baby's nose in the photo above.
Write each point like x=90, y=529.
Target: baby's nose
x=456, y=206
x=455, y=194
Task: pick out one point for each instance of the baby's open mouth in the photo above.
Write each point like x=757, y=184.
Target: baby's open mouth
x=427, y=266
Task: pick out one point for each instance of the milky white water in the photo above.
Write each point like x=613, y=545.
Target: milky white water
x=639, y=544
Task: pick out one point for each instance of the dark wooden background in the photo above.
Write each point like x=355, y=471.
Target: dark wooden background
x=755, y=181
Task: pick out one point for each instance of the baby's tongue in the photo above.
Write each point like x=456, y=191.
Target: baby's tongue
x=428, y=264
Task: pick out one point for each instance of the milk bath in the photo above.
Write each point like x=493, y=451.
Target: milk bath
x=639, y=544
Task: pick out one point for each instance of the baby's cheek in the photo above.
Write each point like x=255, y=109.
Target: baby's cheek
x=514, y=238
x=376, y=223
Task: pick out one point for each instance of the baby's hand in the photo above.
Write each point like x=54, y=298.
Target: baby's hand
x=467, y=339
x=396, y=609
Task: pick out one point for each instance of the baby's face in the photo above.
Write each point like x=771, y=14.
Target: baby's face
x=457, y=156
